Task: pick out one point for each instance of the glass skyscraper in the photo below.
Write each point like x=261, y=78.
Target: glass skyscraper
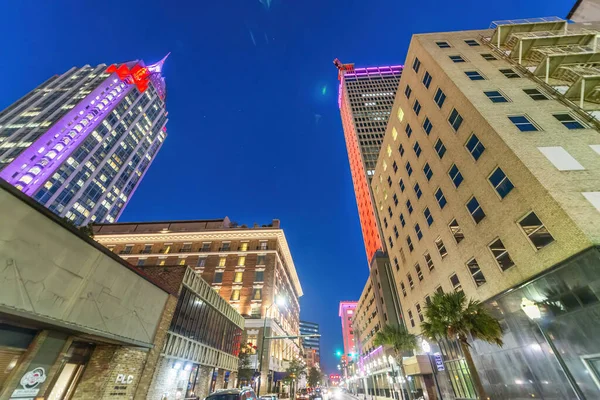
x=81, y=142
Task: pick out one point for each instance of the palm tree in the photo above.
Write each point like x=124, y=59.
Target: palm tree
x=451, y=316
x=401, y=341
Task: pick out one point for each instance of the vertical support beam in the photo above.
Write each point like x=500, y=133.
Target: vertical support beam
x=595, y=43
x=520, y=51
x=566, y=27
x=498, y=36
x=547, y=68
x=582, y=95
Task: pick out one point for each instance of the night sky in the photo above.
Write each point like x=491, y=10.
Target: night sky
x=254, y=130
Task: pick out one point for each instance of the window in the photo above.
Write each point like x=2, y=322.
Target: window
x=400, y=114
x=141, y=262
x=429, y=261
x=428, y=300
x=427, y=171
x=261, y=259
x=411, y=284
x=419, y=312
x=244, y=246
x=475, y=147
x=409, y=206
x=440, y=149
x=403, y=288
x=428, y=216
x=417, y=149
x=408, y=91
x=402, y=186
x=535, y=94
x=182, y=261
x=218, y=278
x=488, y=56
x=222, y=261
x=536, y=231
x=427, y=79
x=259, y=276
x=509, y=73
x=501, y=254
x=475, y=210
x=409, y=169
x=455, y=283
x=401, y=150
x=205, y=247
x=410, y=244
x=439, y=98
x=568, y=121
x=561, y=159
x=395, y=166
x=443, y=45
x=385, y=222
x=419, y=271
x=455, y=175
x=427, y=126
x=390, y=242
x=201, y=262
x=455, y=119
x=416, y=64
x=418, y=191
x=238, y=277
x=235, y=294
x=441, y=247
x=395, y=199
x=500, y=182
x=408, y=130
x=418, y=232
x=456, y=231
x=495, y=96
x=472, y=42
x=390, y=212
x=410, y=317
x=225, y=246
x=475, y=272
x=523, y=123
x=457, y=59
x=441, y=199
x=389, y=180
x=263, y=246
x=417, y=107
x=396, y=264
x=257, y=294
x=241, y=261
x=474, y=76
x=402, y=220
x=396, y=232
x=162, y=262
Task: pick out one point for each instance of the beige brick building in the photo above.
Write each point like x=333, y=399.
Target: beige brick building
x=489, y=174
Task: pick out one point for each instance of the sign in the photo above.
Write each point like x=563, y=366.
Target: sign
x=124, y=379
x=29, y=383
x=439, y=362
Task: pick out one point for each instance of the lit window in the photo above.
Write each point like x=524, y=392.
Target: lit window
x=394, y=134
x=238, y=277
x=408, y=91
x=475, y=147
x=439, y=98
x=417, y=107
x=241, y=260
x=474, y=75
x=427, y=79
x=488, y=56
x=455, y=175
x=441, y=247
x=456, y=231
x=418, y=232
x=427, y=171
x=417, y=149
x=418, y=191
x=475, y=210
x=509, y=73
x=495, y=96
x=400, y=114
x=222, y=261
x=428, y=216
x=427, y=126
x=500, y=182
x=439, y=196
x=455, y=283
x=235, y=295
x=455, y=119
x=440, y=149
x=409, y=242
x=561, y=159
x=429, y=261
x=257, y=294
x=523, y=123
x=472, y=42
x=443, y=45
x=389, y=150
x=244, y=246
x=569, y=121
x=457, y=59
x=408, y=130
x=501, y=254
x=536, y=231
x=182, y=261
x=475, y=272
x=416, y=64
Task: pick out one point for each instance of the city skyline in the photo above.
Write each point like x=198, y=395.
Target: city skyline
x=207, y=149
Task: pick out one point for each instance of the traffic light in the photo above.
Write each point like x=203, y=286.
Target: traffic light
x=338, y=353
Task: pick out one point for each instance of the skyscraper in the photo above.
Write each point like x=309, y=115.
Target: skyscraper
x=311, y=345
x=366, y=96
x=81, y=142
x=347, y=314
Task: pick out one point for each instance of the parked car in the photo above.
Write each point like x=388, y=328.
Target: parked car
x=303, y=395
x=232, y=394
x=268, y=396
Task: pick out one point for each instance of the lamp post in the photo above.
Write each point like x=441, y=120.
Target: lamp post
x=391, y=361
x=427, y=350
x=533, y=312
x=280, y=301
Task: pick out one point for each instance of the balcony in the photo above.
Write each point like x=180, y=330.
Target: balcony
x=504, y=29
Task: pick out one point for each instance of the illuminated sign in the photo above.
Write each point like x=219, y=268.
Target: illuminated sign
x=439, y=362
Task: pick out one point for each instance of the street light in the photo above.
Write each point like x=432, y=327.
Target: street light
x=427, y=350
x=280, y=302
x=533, y=312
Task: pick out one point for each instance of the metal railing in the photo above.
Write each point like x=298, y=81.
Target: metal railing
x=524, y=21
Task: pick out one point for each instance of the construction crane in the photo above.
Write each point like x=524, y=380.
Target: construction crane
x=342, y=67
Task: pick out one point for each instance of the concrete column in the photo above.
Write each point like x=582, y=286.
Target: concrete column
x=220, y=379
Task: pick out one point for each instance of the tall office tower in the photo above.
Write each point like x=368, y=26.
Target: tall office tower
x=489, y=183
x=365, y=99
x=312, y=346
x=346, y=313
x=81, y=142
x=250, y=267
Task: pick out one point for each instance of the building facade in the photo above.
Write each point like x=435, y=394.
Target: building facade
x=488, y=181
x=346, y=313
x=585, y=11
x=81, y=142
x=247, y=267
x=311, y=345
x=366, y=96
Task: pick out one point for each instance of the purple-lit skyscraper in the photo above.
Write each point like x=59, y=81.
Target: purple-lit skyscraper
x=81, y=142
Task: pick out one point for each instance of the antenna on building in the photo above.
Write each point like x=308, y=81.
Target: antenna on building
x=342, y=67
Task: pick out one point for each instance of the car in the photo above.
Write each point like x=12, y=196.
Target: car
x=317, y=394
x=232, y=394
x=268, y=396
x=303, y=395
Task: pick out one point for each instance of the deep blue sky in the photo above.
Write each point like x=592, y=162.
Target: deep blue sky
x=251, y=134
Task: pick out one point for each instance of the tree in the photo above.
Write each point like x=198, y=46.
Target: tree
x=245, y=370
x=295, y=370
x=401, y=341
x=314, y=377
x=451, y=316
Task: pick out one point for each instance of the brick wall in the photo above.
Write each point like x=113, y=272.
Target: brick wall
x=167, y=381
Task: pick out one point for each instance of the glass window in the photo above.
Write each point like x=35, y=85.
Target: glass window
x=257, y=294
x=403, y=288
x=396, y=264
x=238, y=277
x=475, y=210
x=535, y=94
x=523, y=123
x=141, y=261
x=440, y=149
x=427, y=171
x=475, y=272
x=402, y=186
x=418, y=191
x=488, y=56
x=385, y=222
x=218, y=278
x=495, y=96
x=222, y=261
x=411, y=284
x=401, y=150
x=456, y=231
x=410, y=317
x=509, y=73
x=501, y=254
x=427, y=79
x=390, y=242
x=408, y=91
x=443, y=45
x=235, y=294
x=395, y=199
x=418, y=232
x=390, y=212
x=408, y=130
x=419, y=312
x=569, y=121
x=428, y=216
x=441, y=199
x=261, y=259
x=536, y=231
x=389, y=180
x=410, y=244
x=429, y=261
x=259, y=276
x=395, y=166
x=396, y=233
x=455, y=282
x=439, y=98
x=455, y=176
x=402, y=220
x=441, y=247
x=455, y=119
x=409, y=169
x=416, y=65
x=457, y=59
x=419, y=271
x=427, y=126
x=500, y=182
x=409, y=206
x=241, y=260
x=472, y=42
x=417, y=107
x=475, y=147
x=417, y=149
x=201, y=262
x=474, y=75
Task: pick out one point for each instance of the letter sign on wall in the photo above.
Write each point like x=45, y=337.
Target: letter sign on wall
x=124, y=379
